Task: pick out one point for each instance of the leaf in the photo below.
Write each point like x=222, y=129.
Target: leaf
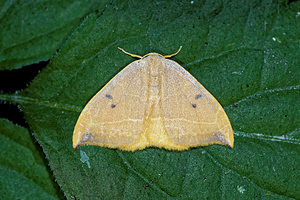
x=245, y=53
x=32, y=31
x=23, y=172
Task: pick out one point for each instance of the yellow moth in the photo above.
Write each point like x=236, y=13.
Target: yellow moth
x=153, y=102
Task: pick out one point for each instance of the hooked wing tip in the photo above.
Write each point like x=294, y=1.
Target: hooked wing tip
x=75, y=146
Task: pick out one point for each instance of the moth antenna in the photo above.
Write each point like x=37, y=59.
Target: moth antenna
x=174, y=54
x=132, y=55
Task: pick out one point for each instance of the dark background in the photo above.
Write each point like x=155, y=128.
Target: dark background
x=12, y=81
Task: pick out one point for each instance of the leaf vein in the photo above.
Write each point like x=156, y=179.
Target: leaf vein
x=140, y=175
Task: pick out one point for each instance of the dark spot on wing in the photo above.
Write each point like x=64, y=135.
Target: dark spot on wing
x=198, y=96
x=194, y=105
x=112, y=105
x=108, y=96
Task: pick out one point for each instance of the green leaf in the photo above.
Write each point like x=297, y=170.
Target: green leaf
x=32, y=31
x=23, y=173
x=246, y=53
